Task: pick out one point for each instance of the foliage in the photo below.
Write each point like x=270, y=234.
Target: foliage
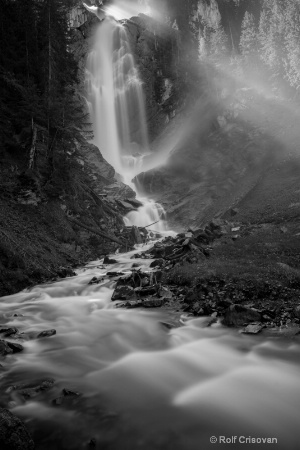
x=263, y=37
x=38, y=78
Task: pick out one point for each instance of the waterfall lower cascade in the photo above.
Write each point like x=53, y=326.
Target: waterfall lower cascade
x=116, y=100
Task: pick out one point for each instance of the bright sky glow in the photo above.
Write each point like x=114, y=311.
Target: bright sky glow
x=124, y=9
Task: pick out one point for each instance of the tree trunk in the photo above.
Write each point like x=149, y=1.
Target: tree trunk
x=33, y=146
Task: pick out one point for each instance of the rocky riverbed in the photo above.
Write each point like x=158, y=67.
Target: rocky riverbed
x=152, y=279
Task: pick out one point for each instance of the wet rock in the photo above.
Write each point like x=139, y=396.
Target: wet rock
x=114, y=274
x=13, y=433
x=153, y=302
x=108, y=260
x=123, y=293
x=238, y=315
x=68, y=397
x=16, y=348
x=134, y=202
x=9, y=331
x=147, y=290
x=46, y=333
x=131, y=304
x=167, y=325
x=7, y=348
x=253, y=328
x=96, y=280
x=4, y=348
x=26, y=391
x=157, y=263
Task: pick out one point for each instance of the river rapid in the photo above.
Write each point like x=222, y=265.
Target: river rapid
x=143, y=384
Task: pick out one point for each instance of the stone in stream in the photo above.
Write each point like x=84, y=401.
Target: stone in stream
x=13, y=433
x=46, y=333
x=68, y=396
x=9, y=331
x=4, y=348
x=7, y=348
x=238, y=315
x=96, y=280
x=114, y=274
x=16, y=348
x=108, y=260
x=26, y=391
x=123, y=293
x=253, y=328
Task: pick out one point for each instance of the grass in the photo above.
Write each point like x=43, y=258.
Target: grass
x=261, y=254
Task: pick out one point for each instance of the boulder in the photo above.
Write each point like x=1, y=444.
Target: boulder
x=13, y=433
x=7, y=348
x=46, y=333
x=108, y=260
x=9, y=331
x=28, y=391
x=4, y=348
x=157, y=263
x=16, y=348
x=237, y=316
x=253, y=328
x=123, y=293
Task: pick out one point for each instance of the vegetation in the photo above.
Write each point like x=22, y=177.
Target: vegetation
x=261, y=36
x=38, y=73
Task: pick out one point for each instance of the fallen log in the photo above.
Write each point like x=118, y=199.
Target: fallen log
x=151, y=224
x=100, y=233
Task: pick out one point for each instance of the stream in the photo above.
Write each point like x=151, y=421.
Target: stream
x=143, y=379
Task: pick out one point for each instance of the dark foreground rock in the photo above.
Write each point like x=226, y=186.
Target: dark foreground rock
x=7, y=348
x=238, y=315
x=13, y=433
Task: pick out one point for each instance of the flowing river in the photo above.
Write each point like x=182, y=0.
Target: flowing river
x=141, y=383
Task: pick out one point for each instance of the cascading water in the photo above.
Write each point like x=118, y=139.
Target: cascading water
x=116, y=97
x=117, y=109
x=135, y=384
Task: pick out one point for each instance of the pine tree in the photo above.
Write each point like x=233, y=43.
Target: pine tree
x=292, y=41
x=271, y=36
x=249, y=40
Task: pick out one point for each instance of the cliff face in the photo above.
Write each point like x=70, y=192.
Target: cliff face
x=216, y=129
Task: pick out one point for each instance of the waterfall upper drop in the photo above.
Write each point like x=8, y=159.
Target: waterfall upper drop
x=117, y=108
x=116, y=99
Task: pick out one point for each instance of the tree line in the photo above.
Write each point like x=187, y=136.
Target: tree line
x=38, y=81
x=268, y=41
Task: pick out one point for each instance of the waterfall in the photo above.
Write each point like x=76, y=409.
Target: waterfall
x=117, y=109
